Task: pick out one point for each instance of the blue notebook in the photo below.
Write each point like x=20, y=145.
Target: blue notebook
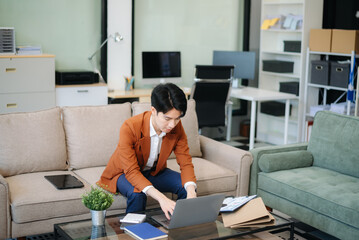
x=145, y=231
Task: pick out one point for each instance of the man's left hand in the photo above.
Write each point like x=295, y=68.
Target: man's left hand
x=191, y=191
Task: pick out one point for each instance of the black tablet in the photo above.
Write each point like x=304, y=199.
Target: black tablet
x=64, y=181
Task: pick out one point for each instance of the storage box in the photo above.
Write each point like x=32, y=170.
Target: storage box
x=320, y=72
x=278, y=66
x=339, y=74
x=345, y=41
x=289, y=87
x=320, y=40
x=274, y=108
x=292, y=46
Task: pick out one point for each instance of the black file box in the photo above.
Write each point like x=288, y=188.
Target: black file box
x=319, y=72
x=339, y=74
x=274, y=108
x=289, y=87
x=292, y=46
x=278, y=66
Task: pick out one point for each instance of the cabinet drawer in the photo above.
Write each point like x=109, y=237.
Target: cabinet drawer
x=19, y=75
x=26, y=102
x=80, y=96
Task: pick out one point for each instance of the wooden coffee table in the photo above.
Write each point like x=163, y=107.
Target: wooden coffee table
x=81, y=230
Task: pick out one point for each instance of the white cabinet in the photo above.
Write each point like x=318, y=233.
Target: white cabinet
x=27, y=83
x=270, y=128
x=81, y=95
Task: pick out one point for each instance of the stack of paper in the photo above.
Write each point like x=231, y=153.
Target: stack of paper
x=133, y=218
x=315, y=109
x=341, y=108
x=253, y=214
x=28, y=50
x=232, y=204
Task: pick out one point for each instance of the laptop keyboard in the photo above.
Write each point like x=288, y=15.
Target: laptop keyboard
x=166, y=222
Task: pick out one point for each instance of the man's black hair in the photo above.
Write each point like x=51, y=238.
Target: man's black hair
x=167, y=96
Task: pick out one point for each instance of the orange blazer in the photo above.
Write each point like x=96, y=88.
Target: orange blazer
x=133, y=150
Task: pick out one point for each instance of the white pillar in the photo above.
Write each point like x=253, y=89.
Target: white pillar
x=119, y=19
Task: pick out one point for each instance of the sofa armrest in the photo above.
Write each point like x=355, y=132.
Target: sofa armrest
x=5, y=218
x=258, y=152
x=230, y=157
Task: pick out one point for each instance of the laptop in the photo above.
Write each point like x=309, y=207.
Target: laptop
x=64, y=181
x=192, y=211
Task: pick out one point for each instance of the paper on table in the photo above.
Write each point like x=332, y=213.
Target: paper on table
x=253, y=210
x=265, y=221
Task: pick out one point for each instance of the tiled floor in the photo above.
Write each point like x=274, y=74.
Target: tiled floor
x=243, y=143
x=304, y=231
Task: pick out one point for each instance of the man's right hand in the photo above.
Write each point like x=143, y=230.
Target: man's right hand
x=167, y=205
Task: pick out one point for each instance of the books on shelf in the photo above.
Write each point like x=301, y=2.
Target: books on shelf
x=252, y=214
x=145, y=231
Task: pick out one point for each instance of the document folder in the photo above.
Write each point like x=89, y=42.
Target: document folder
x=253, y=214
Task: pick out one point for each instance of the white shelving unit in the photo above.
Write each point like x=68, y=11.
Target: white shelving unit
x=311, y=90
x=270, y=128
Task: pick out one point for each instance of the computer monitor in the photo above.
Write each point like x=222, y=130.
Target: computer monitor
x=161, y=67
x=244, y=62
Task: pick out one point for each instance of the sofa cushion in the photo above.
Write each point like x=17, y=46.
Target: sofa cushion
x=271, y=162
x=321, y=190
x=211, y=178
x=92, y=133
x=34, y=198
x=189, y=122
x=334, y=142
x=32, y=142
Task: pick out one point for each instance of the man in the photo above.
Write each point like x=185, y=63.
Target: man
x=137, y=168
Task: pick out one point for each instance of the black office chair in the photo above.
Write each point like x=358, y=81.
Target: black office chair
x=211, y=92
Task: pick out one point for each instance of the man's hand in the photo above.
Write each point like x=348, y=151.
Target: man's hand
x=167, y=205
x=191, y=191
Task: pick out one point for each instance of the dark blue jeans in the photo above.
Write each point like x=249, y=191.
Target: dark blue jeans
x=165, y=181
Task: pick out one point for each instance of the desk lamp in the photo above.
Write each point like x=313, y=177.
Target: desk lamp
x=117, y=38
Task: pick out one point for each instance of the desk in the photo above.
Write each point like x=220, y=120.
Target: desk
x=255, y=95
x=144, y=95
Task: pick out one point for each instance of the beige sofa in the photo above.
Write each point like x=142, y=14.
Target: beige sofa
x=80, y=141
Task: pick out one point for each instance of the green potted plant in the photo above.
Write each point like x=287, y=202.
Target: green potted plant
x=98, y=201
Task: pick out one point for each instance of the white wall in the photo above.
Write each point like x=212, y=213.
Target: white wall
x=71, y=30
x=193, y=27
